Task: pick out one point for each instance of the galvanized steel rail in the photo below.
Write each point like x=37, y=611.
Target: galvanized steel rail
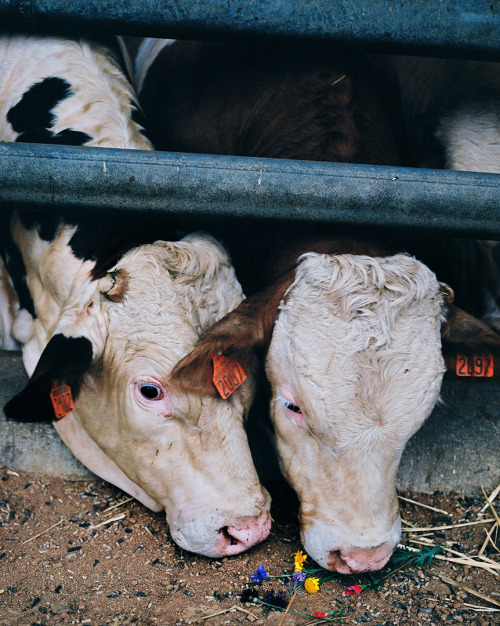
x=74, y=179
x=441, y=27
x=57, y=177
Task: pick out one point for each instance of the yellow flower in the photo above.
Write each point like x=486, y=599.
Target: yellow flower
x=299, y=561
x=311, y=585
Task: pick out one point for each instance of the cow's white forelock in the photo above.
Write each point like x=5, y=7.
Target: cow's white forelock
x=350, y=328
x=373, y=291
x=183, y=286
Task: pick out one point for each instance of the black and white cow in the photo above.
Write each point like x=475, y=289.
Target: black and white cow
x=111, y=320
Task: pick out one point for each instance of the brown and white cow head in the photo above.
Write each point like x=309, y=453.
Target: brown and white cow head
x=115, y=345
x=356, y=365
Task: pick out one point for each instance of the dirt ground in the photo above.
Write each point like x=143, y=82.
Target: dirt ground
x=60, y=564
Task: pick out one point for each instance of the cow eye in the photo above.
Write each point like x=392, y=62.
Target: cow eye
x=286, y=398
x=291, y=406
x=151, y=391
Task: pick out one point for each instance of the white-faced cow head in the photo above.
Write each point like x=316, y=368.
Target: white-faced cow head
x=355, y=362
x=115, y=345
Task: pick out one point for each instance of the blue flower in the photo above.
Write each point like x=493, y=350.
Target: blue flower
x=298, y=577
x=259, y=575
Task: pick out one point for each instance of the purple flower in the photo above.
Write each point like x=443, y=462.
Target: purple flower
x=277, y=600
x=298, y=577
x=260, y=574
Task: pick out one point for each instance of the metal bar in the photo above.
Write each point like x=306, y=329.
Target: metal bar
x=441, y=27
x=68, y=178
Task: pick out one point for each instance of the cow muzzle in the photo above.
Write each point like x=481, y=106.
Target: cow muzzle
x=218, y=534
x=354, y=560
x=340, y=552
x=243, y=535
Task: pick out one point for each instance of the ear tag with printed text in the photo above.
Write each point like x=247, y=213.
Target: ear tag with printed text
x=62, y=399
x=475, y=366
x=228, y=375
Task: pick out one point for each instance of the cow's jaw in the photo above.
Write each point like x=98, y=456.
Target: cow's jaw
x=202, y=523
x=88, y=452
x=356, y=367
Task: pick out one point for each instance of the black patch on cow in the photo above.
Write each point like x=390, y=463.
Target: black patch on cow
x=32, y=116
x=139, y=118
x=66, y=360
x=116, y=235
x=14, y=264
x=103, y=238
x=46, y=224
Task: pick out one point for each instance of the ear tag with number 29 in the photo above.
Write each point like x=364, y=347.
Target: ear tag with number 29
x=228, y=375
x=62, y=399
x=475, y=366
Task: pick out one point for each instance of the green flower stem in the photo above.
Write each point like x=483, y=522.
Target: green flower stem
x=326, y=578
x=378, y=581
x=278, y=608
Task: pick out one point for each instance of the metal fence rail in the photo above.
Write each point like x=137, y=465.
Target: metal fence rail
x=56, y=177
x=442, y=27
x=69, y=178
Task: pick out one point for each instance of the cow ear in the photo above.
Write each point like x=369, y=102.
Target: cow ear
x=65, y=360
x=464, y=335
x=247, y=327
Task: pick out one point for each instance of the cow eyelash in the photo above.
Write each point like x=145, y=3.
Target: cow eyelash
x=150, y=391
x=290, y=405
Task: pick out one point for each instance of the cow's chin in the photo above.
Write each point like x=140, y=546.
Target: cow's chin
x=217, y=534
x=344, y=552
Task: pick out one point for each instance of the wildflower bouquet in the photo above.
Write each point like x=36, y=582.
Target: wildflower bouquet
x=310, y=579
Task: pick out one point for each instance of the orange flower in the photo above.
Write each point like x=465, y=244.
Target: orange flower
x=311, y=585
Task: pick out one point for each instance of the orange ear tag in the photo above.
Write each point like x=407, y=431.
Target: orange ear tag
x=62, y=399
x=228, y=375
x=476, y=366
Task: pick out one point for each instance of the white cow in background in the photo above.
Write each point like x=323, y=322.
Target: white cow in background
x=452, y=113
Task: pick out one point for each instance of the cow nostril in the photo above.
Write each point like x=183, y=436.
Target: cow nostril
x=232, y=541
x=352, y=560
x=336, y=562
x=246, y=533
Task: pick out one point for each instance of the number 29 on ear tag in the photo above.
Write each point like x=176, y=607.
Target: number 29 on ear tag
x=475, y=366
x=228, y=375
